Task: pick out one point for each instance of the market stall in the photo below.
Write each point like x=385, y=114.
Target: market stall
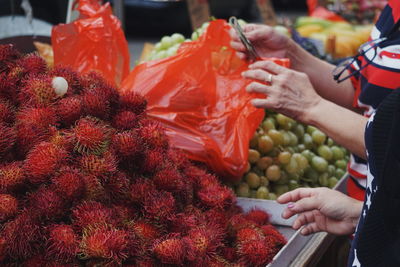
x=165, y=164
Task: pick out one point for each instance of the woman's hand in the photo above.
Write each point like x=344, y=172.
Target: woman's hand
x=321, y=209
x=287, y=91
x=266, y=41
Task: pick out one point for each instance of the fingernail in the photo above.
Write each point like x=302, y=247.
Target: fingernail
x=290, y=205
x=251, y=66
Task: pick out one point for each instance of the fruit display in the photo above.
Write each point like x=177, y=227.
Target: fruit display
x=87, y=179
x=341, y=39
x=285, y=155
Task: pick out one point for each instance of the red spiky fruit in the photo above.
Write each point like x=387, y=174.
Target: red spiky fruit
x=7, y=112
x=96, y=105
x=170, y=250
x=91, y=136
x=46, y=204
x=216, y=216
x=178, y=158
x=91, y=213
x=32, y=126
x=134, y=102
x=8, y=137
x=153, y=135
x=255, y=253
x=125, y=120
x=249, y=234
x=127, y=144
x=145, y=263
x=62, y=243
x=117, y=188
x=69, y=184
x=216, y=196
x=43, y=160
x=258, y=216
x=140, y=188
x=184, y=222
x=94, y=189
x=203, y=242
x=145, y=231
x=160, y=205
x=154, y=161
x=12, y=176
x=106, y=243
x=273, y=237
x=3, y=247
x=32, y=64
x=169, y=179
x=238, y=222
x=69, y=110
x=8, y=207
x=229, y=253
x=94, y=82
x=8, y=54
x=22, y=236
x=37, y=91
x=98, y=165
x=71, y=76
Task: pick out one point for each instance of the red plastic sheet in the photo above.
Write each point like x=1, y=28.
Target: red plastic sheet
x=199, y=96
x=93, y=42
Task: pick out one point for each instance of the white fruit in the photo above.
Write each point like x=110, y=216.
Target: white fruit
x=60, y=86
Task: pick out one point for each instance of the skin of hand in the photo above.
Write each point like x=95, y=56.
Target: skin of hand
x=290, y=92
x=265, y=40
x=321, y=209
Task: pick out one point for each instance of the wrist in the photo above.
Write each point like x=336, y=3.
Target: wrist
x=357, y=209
x=312, y=114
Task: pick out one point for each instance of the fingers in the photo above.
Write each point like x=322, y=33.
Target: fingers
x=310, y=229
x=257, y=74
x=269, y=66
x=256, y=87
x=304, y=218
x=295, y=195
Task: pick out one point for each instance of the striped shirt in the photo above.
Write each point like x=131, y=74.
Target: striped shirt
x=377, y=79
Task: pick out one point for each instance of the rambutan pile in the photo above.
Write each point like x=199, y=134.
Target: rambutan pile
x=87, y=179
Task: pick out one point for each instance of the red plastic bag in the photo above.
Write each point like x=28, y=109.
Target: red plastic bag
x=314, y=10
x=93, y=42
x=199, y=97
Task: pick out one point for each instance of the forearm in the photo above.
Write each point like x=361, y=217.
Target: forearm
x=320, y=74
x=342, y=125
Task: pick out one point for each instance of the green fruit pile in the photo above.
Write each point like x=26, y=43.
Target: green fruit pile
x=285, y=155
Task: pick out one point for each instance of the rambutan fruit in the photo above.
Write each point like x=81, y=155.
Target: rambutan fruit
x=69, y=184
x=46, y=204
x=43, y=160
x=146, y=263
x=71, y=76
x=3, y=246
x=229, y=253
x=117, y=188
x=32, y=126
x=123, y=213
x=169, y=179
x=154, y=161
x=183, y=222
x=91, y=136
x=153, y=135
x=145, y=231
x=12, y=176
x=104, y=242
x=255, y=253
x=7, y=139
x=216, y=216
x=216, y=196
x=140, y=188
x=94, y=189
x=127, y=144
x=258, y=216
x=203, y=242
x=238, y=222
x=249, y=234
x=37, y=91
x=125, y=120
x=103, y=165
x=32, y=64
x=273, y=237
x=22, y=236
x=178, y=158
x=7, y=112
x=92, y=213
x=170, y=250
x=134, y=102
x=8, y=207
x=94, y=81
x=62, y=243
x=96, y=105
x=8, y=53
x=160, y=205
x=69, y=110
